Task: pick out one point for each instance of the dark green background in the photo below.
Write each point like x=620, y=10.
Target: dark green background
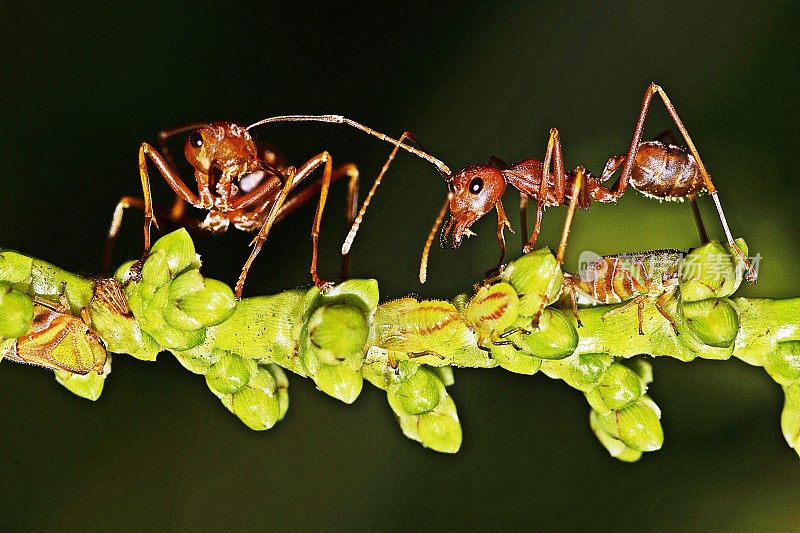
x=81, y=86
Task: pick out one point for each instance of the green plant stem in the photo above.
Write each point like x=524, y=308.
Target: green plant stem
x=407, y=347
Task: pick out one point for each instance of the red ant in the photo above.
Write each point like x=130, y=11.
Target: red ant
x=240, y=182
x=654, y=168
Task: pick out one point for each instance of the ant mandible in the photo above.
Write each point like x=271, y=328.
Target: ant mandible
x=654, y=168
x=239, y=182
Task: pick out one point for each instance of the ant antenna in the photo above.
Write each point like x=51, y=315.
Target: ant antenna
x=423, y=263
x=443, y=169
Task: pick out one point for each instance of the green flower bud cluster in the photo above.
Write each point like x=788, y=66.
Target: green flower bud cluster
x=16, y=312
x=426, y=413
x=407, y=347
x=172, y=302
x=316, y=335
x=256, y=393
x=770, y=336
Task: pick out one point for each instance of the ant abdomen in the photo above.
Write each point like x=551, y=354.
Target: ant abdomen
x=665, y=171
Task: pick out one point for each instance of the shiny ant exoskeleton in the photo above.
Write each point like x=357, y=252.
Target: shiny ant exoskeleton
x=239, y=181
x=655, y=168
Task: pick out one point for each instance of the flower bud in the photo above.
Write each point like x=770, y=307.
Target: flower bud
x=790, y=416
x=515, y=360
x=260, y=405
x=440, y=429
x=229, y=374
x=535, y=276
x=16, y=312
x=155, y=270
x=584, y=371
x=491, y=311
x=783, y=364
x=637, y=425
x=418, y=394
x=710, y=271
x=437, y=428
x=339, y=381
x=337, y=332
x=15, y=267
x=178, y=250
x=556, y=337
x=195, y=302
x=715, y=322
x=617, y=448
x=619, y=386
x=88, y=386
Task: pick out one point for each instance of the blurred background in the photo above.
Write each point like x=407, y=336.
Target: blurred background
x=83, y=85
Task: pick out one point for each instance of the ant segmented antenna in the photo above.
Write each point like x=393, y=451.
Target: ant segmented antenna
x=423, y=263
x=351, y=235
x=443, y=169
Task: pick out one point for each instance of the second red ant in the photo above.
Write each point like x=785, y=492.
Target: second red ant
x=655, y=168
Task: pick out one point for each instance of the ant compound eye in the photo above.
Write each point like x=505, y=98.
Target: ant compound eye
x=476, y=185
x=195, y=139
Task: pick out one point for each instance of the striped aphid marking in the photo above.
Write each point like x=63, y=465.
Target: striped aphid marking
x=631, y=279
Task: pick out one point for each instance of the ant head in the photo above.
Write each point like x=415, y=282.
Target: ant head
x=475, y=190
x=223, y=146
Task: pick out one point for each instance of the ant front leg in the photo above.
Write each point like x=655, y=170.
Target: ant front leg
x=348, y=170
x=558, y=184
x=293, y=178
x=172, y=179
x=178, y=205
x=138, y=203
x=577, y=187
x=502, y=224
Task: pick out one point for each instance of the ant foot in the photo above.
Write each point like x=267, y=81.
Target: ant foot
x=323, y=286
x=134, y=273
x=493, y=275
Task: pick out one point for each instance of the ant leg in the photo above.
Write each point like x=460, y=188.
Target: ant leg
x=502, y=223
x=553, y=149
x=296, y=200
x=293, y=178
x=258, y=240
x=619, y=188
x=523, y=198
x=348, y=242
x=178, y=205
x=573, y=203
x=577, y=186
x=138, y=203
x=172, y=179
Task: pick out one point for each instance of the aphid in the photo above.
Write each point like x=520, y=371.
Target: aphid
x=633, y=279
x=239, y=182
x=59, y=341
x=655, y=168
